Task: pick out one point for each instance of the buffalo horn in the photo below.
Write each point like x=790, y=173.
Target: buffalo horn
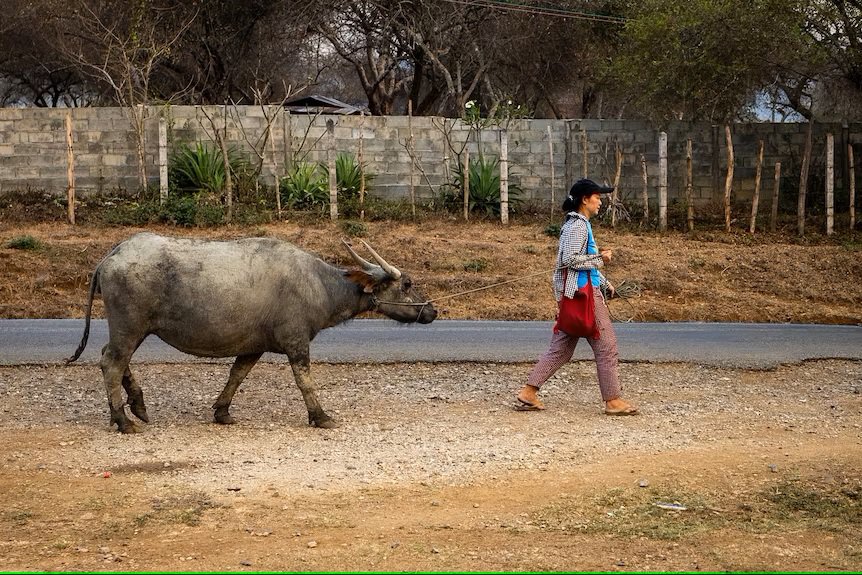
x=366, y=265
x=393, y=272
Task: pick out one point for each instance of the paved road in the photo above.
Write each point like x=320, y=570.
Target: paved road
x=372, y=340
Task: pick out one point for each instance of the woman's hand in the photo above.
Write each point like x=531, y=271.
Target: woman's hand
x=607, y=255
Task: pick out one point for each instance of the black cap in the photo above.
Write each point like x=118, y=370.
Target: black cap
x=585, y=187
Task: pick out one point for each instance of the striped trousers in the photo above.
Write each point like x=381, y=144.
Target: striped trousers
x=604, y=349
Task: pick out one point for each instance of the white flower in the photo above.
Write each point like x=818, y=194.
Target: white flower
x=508, y=102
x=469, y=104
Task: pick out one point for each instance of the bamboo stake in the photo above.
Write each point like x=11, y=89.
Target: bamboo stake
x=645, y=190
x=773, y=218
x=728, y=180
x=504, y=176
x=803, y=181
x=70, y=171
x=618, y=155
x=689, y=185
x=830, y=183
x=851, y=166
x=755, y=200
x=333, y=181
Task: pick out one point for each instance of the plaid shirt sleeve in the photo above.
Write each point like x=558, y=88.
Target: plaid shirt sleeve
x=572, y=255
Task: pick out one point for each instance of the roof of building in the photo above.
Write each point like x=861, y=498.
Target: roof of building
x=314, y=104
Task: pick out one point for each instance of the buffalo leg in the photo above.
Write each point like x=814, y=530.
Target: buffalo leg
x=135, y=396
x=302, y=374
x=241, y=366
x=114, y=364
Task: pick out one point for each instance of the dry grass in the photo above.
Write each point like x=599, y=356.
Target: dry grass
x=706, y=276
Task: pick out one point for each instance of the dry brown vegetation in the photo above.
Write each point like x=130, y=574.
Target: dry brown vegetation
x=705, y=276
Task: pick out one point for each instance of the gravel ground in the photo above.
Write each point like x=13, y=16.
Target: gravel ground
x=402, y=424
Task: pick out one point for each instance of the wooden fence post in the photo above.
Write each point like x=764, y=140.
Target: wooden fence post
x=803, y=181
x=360, y=160
x=163, y=160
x=728, y=180
x=333, y=180
x=755, y=200
x=773, y=218
x=411, y=153
x=851, y=167
x=465, y=182
x=504, y=176
x=645, y=190
x=551, y=164
x=70, y=171
x=618, y=156
x=689, y=185
x=830, y=183
x=662, y=184
x=586, y=158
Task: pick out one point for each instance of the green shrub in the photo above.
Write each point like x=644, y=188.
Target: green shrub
x=552, y=230
x=353, y=228
x=27, y=242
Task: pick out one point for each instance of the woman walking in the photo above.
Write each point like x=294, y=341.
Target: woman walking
x=578, y=263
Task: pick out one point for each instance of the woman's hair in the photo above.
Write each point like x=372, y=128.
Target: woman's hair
x=570, y=204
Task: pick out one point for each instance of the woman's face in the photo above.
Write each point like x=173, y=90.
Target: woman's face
x=591, y=204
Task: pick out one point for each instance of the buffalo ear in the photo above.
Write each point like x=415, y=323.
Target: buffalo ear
x=363, y=279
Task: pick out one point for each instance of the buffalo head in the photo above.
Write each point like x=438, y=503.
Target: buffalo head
x=392, y=292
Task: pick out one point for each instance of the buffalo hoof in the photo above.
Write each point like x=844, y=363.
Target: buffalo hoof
x=322, y=421
x=129, y=427
x=224, y=418
x=140, y=411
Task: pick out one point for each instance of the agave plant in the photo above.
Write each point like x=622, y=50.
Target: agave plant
x=306, y=186
x=484, y=187
x=201, y=169
x=348, y=174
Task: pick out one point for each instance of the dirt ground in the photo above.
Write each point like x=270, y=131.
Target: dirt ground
x=431, y=468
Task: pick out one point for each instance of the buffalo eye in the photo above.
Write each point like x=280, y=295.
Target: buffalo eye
x=406, y=284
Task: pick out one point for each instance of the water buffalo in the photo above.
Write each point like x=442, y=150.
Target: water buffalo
x=233, y=298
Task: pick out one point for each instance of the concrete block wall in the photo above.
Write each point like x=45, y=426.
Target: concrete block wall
x=33, y=150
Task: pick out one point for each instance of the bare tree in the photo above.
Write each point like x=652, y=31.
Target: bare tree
x=120, y=46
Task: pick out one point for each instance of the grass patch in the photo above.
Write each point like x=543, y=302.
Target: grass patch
x=784, y=506
x=27, y=243
x=187, y=509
